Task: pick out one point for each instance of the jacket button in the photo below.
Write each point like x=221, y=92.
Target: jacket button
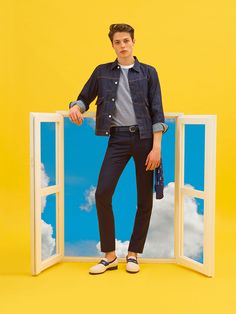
x=115, y=82
x=113, y=99
x=118, y=67
x=109, y=116
x=106, y=132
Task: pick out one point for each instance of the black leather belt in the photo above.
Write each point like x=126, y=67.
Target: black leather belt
x=131, y=128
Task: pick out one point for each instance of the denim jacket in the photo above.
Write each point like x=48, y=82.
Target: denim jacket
x=146, y=96
x=145, y=93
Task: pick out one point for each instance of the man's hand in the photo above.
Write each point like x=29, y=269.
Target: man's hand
x=153, y=158
x=75, y=115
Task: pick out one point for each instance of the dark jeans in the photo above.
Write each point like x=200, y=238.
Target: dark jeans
x=123, y=145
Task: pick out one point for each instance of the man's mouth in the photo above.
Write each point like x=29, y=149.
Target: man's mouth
x=123, y=50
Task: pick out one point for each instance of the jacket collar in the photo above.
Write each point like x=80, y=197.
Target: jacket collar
x=136, y=66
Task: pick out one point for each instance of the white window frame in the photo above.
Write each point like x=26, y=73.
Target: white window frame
x=36, y=191
x=208, y=194
x=206, y=268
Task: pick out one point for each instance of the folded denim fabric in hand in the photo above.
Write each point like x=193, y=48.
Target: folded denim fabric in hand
x=159, y=181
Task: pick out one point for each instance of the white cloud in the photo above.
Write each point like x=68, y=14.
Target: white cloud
x=44, y=183
x=44, y=177
x=160, y=239
x=47, y=241
x=90, y=198
x=121, y=248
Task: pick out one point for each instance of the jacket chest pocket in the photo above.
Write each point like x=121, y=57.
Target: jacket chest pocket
x=143, y=85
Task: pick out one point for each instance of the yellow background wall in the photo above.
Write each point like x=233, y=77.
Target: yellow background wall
x=48, y=50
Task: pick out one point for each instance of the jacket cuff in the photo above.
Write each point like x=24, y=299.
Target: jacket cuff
x=160, y=126
x=80, y=103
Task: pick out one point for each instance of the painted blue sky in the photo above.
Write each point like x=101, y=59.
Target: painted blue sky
x=83, y=156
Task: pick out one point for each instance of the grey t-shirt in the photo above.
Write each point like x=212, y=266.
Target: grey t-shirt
x=124, y=111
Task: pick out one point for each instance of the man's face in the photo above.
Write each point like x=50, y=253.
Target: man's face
x=123, y=44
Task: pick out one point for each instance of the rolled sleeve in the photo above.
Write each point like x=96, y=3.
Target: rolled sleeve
x=159, y=126
x=80, y=103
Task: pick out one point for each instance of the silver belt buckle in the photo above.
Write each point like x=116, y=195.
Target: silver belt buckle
x=132, y=128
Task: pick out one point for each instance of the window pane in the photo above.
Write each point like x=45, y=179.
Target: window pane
x=194, y=155
x=193, y=228
x=48, y=226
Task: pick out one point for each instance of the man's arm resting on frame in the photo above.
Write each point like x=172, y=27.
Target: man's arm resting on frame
x=79, y=103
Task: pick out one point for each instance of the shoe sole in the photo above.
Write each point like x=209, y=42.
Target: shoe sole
x=132, y=272
x=111, y=268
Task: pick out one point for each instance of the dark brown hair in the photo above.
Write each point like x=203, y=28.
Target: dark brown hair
x=120, y=28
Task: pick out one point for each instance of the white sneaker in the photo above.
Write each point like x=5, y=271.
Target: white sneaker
x=132, y=265
x=104, y=265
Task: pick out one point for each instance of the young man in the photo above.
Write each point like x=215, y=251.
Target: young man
x=129, y=110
